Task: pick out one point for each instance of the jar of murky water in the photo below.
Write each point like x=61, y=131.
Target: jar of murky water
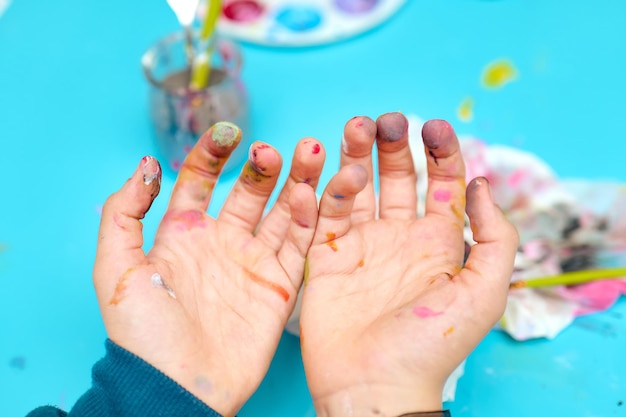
x=181, y=113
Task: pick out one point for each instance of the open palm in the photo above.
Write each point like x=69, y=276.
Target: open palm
x=389, y=308
x=207, y=305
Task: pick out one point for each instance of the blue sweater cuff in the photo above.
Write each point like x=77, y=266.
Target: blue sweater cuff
x=126, y=385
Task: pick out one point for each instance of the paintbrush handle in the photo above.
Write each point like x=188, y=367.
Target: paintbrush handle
x=571, y=278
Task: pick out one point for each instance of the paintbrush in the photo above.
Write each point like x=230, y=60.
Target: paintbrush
x=571, y=278
x=185, y=11
x=201, y=69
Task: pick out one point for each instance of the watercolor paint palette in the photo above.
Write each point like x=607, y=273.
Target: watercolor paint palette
x=302, y=22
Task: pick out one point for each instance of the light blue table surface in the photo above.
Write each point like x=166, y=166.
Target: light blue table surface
x=74, y=124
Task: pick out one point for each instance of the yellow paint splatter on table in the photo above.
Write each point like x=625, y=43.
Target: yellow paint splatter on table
x=465, y=112
x=498, y=73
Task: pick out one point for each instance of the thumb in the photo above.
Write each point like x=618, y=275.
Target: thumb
x=120, y=238
x=491, y=260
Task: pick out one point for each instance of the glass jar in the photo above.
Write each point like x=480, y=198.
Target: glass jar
x=180, y=114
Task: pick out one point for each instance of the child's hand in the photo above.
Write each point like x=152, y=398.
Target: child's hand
x=207, y=305
x=388, y=309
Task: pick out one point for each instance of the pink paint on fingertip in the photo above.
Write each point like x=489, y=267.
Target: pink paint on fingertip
x=442, y=196
x=425, y=312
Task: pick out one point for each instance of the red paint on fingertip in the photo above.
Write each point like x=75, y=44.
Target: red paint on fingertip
x=316, y=148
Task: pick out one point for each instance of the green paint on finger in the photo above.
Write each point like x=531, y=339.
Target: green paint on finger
x=225, y=133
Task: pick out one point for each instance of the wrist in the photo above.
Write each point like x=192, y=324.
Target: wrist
x=379, y=401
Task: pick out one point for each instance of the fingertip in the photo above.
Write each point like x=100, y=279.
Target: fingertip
x=303, y=205
x=360, y=176
x=137, y=194
x=483, y=211
x=308, y=161
x=478, y=190
x=359, y=135
x=391, y=127
x=437, y=133
x=310, y=146
x=264, y=159
x=221, y=138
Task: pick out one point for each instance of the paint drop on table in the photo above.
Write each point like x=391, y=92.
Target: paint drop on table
x=499, y=73
x=18, y=362
x=465, y=111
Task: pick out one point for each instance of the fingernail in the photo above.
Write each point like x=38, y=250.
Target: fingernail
x=225, y=134
x=482, y=182
x=391, y=127
x=151, y=170
x=253, y=154
x=435, y=132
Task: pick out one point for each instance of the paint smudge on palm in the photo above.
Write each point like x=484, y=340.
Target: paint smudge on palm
x=448, y=331
x=158, y=282
x=498, y=73
x=278, y=289
x=120, y=288
x=331, y=241
x=203, y=384
x=443, y=196
x=425, y=312
x=186, y=220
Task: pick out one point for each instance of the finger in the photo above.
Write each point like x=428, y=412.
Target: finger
x=245, y=204
x=397, y=177
x=356, y=148
x=120, y=238
x=202, y=166
x=446, y=172
x=301, y=228
x=336, y=205
x=492, y=257
x=306, y=167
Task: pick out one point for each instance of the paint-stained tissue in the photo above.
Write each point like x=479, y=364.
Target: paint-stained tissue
x=564, y=226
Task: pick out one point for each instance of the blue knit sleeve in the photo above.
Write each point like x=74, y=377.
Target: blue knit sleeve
x=126, y=385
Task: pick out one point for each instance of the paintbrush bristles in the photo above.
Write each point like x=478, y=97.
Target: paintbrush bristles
x=571, y=278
